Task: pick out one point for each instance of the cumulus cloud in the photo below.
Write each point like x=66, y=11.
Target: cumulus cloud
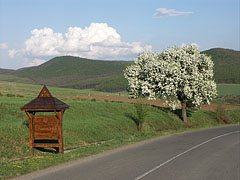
x=3, y=46
x=163, y=12
x=96, y=41
x=36, y=62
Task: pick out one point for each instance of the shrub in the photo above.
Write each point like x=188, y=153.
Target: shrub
x=94, y=100
x=140, y=114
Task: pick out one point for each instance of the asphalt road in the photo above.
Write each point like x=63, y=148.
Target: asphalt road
x=209, y=154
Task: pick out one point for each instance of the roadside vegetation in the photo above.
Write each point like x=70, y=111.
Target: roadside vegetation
x=89, y=126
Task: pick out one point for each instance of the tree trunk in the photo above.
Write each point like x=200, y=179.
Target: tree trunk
x=139, y=127
x=184, y=111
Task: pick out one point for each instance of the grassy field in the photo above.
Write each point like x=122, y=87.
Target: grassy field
x=29, y=90
x=228, y=89
x=228, y=94
x=89, y=127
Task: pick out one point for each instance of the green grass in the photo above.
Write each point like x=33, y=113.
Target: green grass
x=84, y=124
x=228, y=94
x=89, y=127
x=228, y=89
x=29, y=90
x=13, y=78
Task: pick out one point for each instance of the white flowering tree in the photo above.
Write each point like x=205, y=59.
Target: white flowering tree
x=181, y=75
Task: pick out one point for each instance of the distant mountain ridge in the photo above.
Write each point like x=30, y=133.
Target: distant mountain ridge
x=82, y=73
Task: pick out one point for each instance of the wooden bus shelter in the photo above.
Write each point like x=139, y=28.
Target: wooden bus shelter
x=45, y=130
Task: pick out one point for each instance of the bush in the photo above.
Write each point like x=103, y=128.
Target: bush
x=93, y=100
x=141, y=113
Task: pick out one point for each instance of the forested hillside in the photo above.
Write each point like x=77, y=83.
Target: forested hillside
x=227, y=65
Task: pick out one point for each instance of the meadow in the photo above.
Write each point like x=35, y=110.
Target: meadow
x=29, y=90
x=228, y=94
x=228, y=89
x=89, y=126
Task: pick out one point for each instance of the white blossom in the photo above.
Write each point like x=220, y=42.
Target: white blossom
x=177, y=74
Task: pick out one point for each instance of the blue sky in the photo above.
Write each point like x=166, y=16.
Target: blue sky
x=32, y=32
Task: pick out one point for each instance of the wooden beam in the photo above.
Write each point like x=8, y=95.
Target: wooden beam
x=31, y=138
x=45, y=145
x=60, y=133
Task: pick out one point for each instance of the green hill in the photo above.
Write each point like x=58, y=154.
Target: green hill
x=80, y=73
x=226, y=65
x=5, y=71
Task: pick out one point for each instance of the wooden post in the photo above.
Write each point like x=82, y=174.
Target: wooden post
x=60, y=133
x=31, y=138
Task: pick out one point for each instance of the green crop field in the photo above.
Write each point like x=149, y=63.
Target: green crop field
x=89, y=127
x=228, y=94
x=228, y=89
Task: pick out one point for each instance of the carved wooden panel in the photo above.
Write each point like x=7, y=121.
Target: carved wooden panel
x=45, y=127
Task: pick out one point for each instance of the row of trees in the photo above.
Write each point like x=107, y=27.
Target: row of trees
x=181, y=75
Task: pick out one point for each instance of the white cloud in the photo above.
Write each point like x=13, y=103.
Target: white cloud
x=3, y=46
x=96, y=41
x=13, y=52
x=195, y=44
x=36, y=62
x=163, y=12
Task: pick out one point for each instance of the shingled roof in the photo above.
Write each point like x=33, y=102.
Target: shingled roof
x=45, y=101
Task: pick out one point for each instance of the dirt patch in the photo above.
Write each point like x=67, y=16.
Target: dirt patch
x=158, y=102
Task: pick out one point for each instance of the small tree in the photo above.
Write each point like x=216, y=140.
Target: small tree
x=141, y=113
x=181, y=75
